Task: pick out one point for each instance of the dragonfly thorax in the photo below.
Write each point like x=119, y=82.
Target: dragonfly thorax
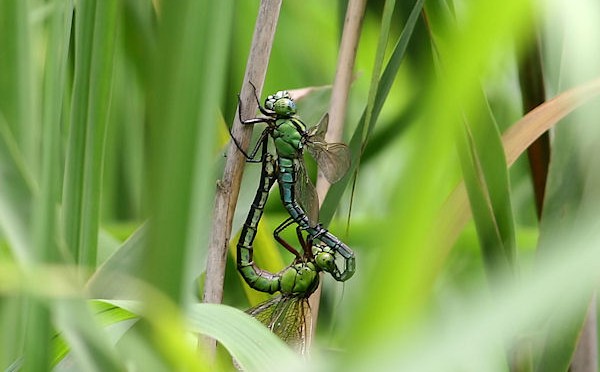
x=287, y=138
x=300, y=279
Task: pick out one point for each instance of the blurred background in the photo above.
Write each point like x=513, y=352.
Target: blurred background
x=473, y=254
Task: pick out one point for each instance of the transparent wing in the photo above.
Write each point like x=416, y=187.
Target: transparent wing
x=319, y=130
x=306, y=195
x=333, y=159
x=286, y=317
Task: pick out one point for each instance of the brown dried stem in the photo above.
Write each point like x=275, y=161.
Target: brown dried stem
x=229, y=186
x=339, y=101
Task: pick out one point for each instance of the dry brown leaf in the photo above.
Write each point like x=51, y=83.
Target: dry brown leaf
x=455, y=212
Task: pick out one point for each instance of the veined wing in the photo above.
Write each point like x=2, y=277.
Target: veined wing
x=306, y=194
x=333, y=159
x=318, y=131
x=286, y=317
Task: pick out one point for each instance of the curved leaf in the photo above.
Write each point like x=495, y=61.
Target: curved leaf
x=455, y=213
x=249, y=342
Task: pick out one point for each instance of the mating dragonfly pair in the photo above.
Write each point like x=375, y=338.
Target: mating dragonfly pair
x=285, y=315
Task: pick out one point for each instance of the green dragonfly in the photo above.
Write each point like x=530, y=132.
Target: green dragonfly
x=286, y=314
x=291, y=136
x=294, y=278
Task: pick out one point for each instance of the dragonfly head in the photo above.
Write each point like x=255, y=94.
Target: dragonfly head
x=324, y=257
x=282, y=103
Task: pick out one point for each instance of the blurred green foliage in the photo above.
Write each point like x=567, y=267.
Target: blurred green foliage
x=115, y=111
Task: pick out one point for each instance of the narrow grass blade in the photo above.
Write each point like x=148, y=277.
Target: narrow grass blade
x=186, y=88
x=15, y=199
x=409, y=240
x=37, y=354
x=486, y=179
x=140, y=36
x=483, y=164
x=18, y=99
x=455, y=212
x=18, y=130
x=95, y=30
x=359, y=137
x=533, y=92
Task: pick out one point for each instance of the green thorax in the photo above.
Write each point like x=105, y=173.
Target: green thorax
x=299, y=279
x=288, y=138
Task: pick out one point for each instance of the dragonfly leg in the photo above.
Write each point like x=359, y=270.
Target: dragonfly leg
x=281, y=241
x=261, y=143
x=306, y=244
x=249, y=121
x=263, y=110
x=270, y=115
x=250, y=158
x=317, y=232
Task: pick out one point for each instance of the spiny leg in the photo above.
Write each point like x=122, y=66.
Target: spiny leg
x=260, y=143
x=250, y=158
x=253, y=121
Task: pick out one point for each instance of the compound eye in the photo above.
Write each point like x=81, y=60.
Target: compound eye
x=292, y=105
x=270, y=102
x=325, y=261
x=282, y=94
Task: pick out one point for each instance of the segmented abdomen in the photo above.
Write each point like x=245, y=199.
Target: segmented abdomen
x=257, y=278
x=287, y=177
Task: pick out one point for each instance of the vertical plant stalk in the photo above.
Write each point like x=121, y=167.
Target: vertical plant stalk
x=343, y=78
x=337, y=111
x=228, y=187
